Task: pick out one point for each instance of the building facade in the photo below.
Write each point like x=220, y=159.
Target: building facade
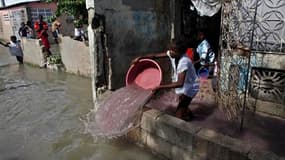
x=13, y=15
x=249, y=41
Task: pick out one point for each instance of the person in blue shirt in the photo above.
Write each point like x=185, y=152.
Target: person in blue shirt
x=205, y=52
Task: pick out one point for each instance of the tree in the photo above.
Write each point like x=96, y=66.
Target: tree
x=75, y=8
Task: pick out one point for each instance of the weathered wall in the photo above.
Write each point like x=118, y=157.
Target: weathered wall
x=11, y=20
x=75, y=56
x=32, y=51
x=133, y=28
x=67, y=25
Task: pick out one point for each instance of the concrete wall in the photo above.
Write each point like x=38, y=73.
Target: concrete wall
x=176, y=139
x=67, y=25
x=133, y=28
x=32, y=51
x=75, y=56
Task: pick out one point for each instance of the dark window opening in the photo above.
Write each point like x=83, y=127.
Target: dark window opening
x=191, y=22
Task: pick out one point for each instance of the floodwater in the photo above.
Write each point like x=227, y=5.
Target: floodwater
x=41, y=118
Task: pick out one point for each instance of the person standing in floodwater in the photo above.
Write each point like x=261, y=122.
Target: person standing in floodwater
x=41, y=27
x=30, y=31
x=184, y=77
x=15, y=48
x=23, y=30
x=55, y=26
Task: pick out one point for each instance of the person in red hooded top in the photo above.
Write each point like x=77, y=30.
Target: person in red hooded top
x=41, y=27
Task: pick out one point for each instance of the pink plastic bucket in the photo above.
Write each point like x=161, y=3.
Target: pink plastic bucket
x=146, y=73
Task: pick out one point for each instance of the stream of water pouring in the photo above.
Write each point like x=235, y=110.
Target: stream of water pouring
x=118, y=113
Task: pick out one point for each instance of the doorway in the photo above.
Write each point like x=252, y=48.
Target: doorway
x=191, y=22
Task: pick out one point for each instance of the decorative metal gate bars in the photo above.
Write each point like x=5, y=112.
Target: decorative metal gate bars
x=251, y=30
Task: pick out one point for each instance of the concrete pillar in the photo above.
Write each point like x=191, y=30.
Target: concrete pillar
x=90, y=5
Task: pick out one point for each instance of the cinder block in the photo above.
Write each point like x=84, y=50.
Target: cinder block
x=174, y=130
x=159, y=145
x=200, y=146
x=134, y=135
x=219, y=147
x=262, y=155
x=178, y=153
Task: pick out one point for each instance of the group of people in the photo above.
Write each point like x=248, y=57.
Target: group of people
x=79, y=33
x=40, y=31
x=185, y=77
x=27, y=30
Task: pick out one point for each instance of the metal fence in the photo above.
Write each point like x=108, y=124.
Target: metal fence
x=248, y=28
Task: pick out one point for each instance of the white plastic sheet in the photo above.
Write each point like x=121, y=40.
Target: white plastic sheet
x=207, y=7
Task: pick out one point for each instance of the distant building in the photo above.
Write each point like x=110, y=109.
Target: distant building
x=13, y=12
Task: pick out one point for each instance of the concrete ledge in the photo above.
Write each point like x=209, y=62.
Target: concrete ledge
x=176, y=139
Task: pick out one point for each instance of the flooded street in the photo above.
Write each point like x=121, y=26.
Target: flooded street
x=41, y=114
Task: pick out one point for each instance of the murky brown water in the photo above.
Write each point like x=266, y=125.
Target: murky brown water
x=40, y=119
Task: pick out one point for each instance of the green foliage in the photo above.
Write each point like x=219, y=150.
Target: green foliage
x=78, y=23
x=75, y=8
x=51, y=19
x=55, y=59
